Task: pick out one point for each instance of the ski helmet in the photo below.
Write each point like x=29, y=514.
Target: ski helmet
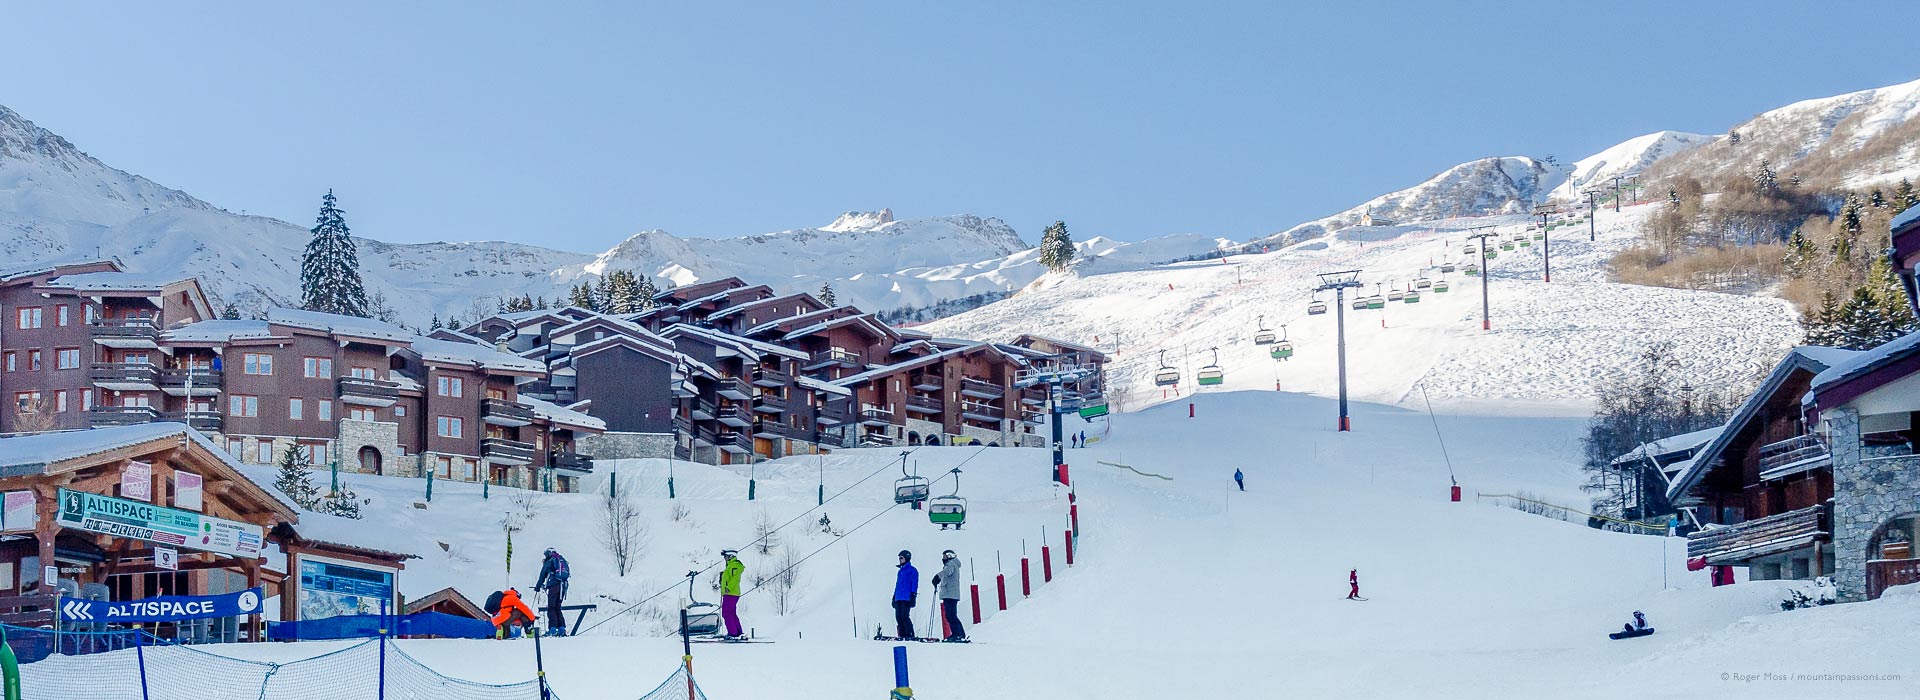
x=904, y=554
x=947, y=555
x=551, y=552
x=729, y=553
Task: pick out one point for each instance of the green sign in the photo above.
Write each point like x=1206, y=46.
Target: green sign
x=132, y=519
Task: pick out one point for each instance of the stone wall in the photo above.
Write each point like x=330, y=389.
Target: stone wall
x=627, y=445
x=924, y=428
x=381, y=436
x=1867, y=493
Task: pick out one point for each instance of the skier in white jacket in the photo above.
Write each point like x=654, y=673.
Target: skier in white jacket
x=947, y=582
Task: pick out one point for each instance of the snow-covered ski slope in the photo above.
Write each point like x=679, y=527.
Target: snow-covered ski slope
x=1549, y=343
x=1183, y=587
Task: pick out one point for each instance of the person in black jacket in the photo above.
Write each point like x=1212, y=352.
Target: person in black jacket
x=553, y=578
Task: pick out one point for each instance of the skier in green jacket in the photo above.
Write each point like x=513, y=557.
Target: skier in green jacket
x=730, y=591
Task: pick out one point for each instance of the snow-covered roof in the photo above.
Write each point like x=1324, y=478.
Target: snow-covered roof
x=746, y=345
x=817, y=385
x=803, y=318
x=862, y=319
x=1906, y=217
x=484, y=356
x=925, y=360
x=338, y=324
x=757, y=303
x=616, y=322
x=31, y=454
x=561, y=414
x=1669, y=445
x=218, y=331
x=665, y=353
x=406, y=381
x=41, y=268
x=1861, y=362
x=119, y=281
x=451, y=334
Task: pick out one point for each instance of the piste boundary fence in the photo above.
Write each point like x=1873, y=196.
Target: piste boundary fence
x=133, y=665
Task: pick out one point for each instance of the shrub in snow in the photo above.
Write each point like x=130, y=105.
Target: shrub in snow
x=1822, y=592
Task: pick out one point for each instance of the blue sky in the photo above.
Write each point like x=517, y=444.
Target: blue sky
x=575, y=127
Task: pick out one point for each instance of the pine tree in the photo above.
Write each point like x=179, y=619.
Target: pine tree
x=1733, y=137
x=1904, y=196
x=1763, y=180
x=1894, y=306
x=1876, y=199
x=230, y=312
x=295, y=481
x=582, y=296
x=826, y=294
x=330, y=270
x=344, y=503
x=1850, y=215
x=1056, y=247
x=1862, y=324
x=1795, y=179
x=603, y=295
x=647, y=291
x=540, y=303
x=1799, y=257
x=1822, y=324
x=623, y=292
x=435, y=325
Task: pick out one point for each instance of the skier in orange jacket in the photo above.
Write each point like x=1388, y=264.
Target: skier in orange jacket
x=513, y=613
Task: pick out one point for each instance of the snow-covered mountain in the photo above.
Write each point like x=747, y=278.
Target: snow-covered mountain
x=1506, y=185
x=1858, y=139
x=1631, y=156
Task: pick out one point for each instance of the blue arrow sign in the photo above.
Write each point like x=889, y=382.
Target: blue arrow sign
x=163, y=608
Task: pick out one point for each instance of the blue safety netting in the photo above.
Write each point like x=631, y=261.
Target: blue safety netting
x=420, y=624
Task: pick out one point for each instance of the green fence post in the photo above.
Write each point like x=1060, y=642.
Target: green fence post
x=10, y=667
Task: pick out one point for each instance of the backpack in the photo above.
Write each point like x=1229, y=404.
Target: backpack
x=560, y=572
x=493, y=602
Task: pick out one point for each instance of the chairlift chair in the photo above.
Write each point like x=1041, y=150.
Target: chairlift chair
x=1441, y=287
x=1359, y=302
x=950, y=509
x=1166, y=375
x=1316, y=307
x=1211, y=375
x=702, y=618
x=1396, y=295
x=910, y=488
x=1471, y=250
x=1282, y=349
x=1412, y=297
x=1376, y=302
x=1473, y=271
x=1447, y=267
x=1495, y=252
x=1423, y=283
x=1263, y=336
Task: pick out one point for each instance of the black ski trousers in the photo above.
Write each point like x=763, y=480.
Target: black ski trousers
x=903, y=618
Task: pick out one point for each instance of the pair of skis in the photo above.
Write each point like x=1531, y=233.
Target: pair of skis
x=928, y=640
x=728, y=640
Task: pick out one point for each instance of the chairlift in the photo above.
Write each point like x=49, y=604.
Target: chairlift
x=1505, y=245
x=1264, y=336
x=1376, y=302
x=1493, y=253
x=1412, y=297
x=1316, y=307
x=1211, y=374
x=1525, y=243
x=1473, y=271
x=1423, y=283
x=1282, y=349
x=1441, y=287
x=1395, y=294
x=1446, y=267
x=950, y=509
x=1471, y=249
x=910, y=488
x=1166, y=375
x=1359, y=302
x=702, y=618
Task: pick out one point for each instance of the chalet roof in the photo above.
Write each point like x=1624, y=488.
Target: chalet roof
x=746, y=346
x=758, y=303
x=560, y=414
x=1026, y=338
x=10, y=274
x=864, y=320
x=481, y=356
x=700, y=287
x=1811, y=359
x=1850, y=372
x=324, y=531
x=449, y=596
x=339, y=325
x=898, y=367
x=150, y=282
x=45, y=452
x=663, y=351
x=811, y=316
x=457, y=336
x=218, y=331
x=615, y=323
x=1670, y=445
x=818, y=385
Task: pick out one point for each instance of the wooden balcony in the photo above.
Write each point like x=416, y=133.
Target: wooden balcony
x=772, y=429
x=505, y=451
x=875, y=416
x=981, y=388
x=683, y=425
x=875, y=440
x=205, y=381
x=360, y=391
x=127, y=333
x=770, y=378
x=733, y=388
x=926, y=381
x=832, y=413
x=505, y=413
x=735, y=416
x=834, y=357
x=1738, y=544
x=702, y=409
x=107, y=416
x=574, y=462
x=981, y=412
x=203, y=421
x=125, y=376
x=769, y=403
x=1797, y=454
x=735, y=441
x=681, y=451
x=924, y=404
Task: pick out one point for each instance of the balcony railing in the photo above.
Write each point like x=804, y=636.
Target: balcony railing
x=1736, y=544
x=980, y=411
x=733, y=388
x=834, y=413
x=683, y=424
x=764, y=377
x=876, y=440
x=203, y=421
x=125, y=332
x=734, y=415
x=831, y=358
x=924, y=404
x=104, y=416
x=368, y=392
x=734, y=441
x=681, y=451
x=769, y=403
x=772, y=429
x=702, y=409
x=875, y=416
x=927, y=381
x=981, y=389
x=505, y=413
x=1800, y=450
x=125, y=375
x=204, y=380
x=573, y=462
x=506, y=451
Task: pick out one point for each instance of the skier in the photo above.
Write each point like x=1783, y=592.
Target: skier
x=906, y=593
x=1353, y=579
x=512, y=615
x=1083, y=438
x=947, y=582
x=553, y=578
x=826, y=525
x=730, y=592
x=1239, y=479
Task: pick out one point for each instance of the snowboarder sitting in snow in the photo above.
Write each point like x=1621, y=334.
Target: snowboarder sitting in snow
x=512, y=615
x=553, y=578
x=1639, y=623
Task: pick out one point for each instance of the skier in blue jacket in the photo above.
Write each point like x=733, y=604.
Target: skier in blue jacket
x=906, y=593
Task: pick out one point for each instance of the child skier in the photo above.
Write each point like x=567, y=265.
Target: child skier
x=906, y=593
x=1239, y=479
x=730, y=592
x=553, y=578
x=947, y=582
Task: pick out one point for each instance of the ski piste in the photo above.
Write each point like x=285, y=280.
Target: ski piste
x=926, y=640
x=725, y=640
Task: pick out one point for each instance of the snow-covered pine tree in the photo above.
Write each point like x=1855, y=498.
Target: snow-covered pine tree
x=435, y=325
x=230, y=312
x=540, y=303
x=1733, y=137
x=582, y=296
x=330, y=269
x=294, y=479
x=623, y=292
x=1904, y=196
x=1850, y=214
x=1764, y=181
x=1893, y=299
x=1862, y=323
x=344, y=503
x=826, y=294
x=1821, y=324
x=1056, y=247
x=1799, y=256
x=603, y=295
x=647, y=292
